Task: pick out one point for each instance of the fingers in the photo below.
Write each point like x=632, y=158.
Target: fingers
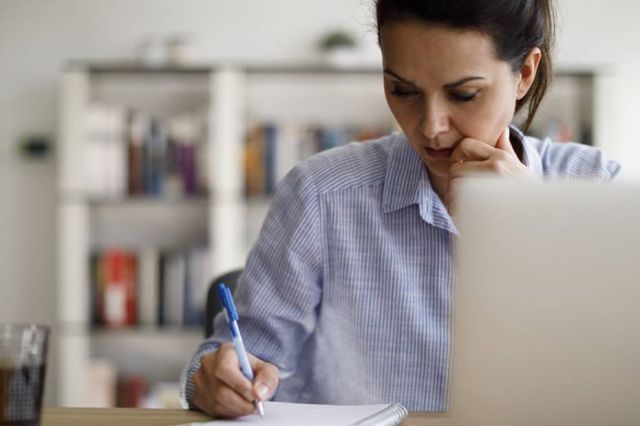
x=471, y=168
x=217, y=399
x=474, y=157
x=266, y=378
x=473, y=150
x=220, y=387
x=504, y=142
x=229, y=373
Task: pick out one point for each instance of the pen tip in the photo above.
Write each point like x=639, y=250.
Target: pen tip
x=260, y=408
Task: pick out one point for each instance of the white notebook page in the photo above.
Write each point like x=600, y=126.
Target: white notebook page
x=283, y=414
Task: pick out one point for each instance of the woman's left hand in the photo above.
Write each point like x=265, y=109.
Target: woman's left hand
x=473, y=157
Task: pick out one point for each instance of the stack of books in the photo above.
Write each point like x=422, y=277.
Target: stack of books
x=128, y=152
x=149, y=287
x=272, y=149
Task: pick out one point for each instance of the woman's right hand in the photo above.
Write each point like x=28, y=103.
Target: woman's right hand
x=221, y=390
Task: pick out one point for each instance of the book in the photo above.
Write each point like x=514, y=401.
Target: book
x=119, y=289
x=132, y=391
x=102, y=382
x=138, y=124
x=173, y=287
x=148, y=285
x=285, y=413
x=155, y=149
x=105, y=151
x=198, y=278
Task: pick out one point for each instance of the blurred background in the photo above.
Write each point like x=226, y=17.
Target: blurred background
x=140, y=142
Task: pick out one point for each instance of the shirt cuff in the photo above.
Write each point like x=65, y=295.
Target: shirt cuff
x=187, y=388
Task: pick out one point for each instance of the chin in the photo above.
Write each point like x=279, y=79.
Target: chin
x=439, y=170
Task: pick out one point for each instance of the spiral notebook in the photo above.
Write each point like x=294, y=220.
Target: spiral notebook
x=284, y=413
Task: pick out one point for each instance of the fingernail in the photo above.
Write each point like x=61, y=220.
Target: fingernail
x=263, y=391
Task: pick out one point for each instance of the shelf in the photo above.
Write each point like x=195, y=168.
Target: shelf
x=111, y=67
x=155, y=354
x=136, y=223
x=105, y=68
x=148, y=332
x=159, y=94
x=149, y=201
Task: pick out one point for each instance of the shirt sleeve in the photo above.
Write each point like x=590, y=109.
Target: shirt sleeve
x=278, y=294
x=573, y=160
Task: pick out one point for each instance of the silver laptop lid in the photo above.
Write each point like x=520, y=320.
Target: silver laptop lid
x=547, y=305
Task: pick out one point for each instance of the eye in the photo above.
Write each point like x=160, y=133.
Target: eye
x=463, y=97
x=402, y=92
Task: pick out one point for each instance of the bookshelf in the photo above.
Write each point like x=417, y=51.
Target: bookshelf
x=99, y=211
x=101, y=217
x=308, y=107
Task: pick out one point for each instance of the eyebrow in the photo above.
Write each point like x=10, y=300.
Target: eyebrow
x=396, y=76
x=446, y=86
x=462, y=81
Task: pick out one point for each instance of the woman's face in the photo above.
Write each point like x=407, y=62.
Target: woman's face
x=444, y=85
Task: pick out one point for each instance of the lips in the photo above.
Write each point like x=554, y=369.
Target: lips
x=439, y=153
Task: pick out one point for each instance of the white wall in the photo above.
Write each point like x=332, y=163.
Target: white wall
x=605, y=35
x=38, y=36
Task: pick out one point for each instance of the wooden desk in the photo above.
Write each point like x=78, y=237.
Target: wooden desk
x=55, y=416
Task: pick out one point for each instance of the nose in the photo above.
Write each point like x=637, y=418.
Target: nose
x=435, y=119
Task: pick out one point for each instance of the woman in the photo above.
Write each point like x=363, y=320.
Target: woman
x=346, y=295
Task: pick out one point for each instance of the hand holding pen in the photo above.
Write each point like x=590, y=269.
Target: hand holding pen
x=222, y=390
x=232, y=319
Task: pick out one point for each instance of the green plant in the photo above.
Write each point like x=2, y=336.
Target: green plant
x=336, y=39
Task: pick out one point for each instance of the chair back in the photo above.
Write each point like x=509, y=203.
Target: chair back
x=230, y=279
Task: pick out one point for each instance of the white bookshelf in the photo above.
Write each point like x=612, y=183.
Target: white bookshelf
x=86, y=223
x=233, y=98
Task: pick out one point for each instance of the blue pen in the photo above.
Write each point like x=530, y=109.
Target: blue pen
x=224, y=294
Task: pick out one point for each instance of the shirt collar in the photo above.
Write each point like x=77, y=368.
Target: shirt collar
x=405, y=173
x=407, y=181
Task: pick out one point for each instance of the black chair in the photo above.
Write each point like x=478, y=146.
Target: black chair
x=230, y=279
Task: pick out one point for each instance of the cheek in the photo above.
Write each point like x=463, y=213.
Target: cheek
x=404, y=113
x=486, y=119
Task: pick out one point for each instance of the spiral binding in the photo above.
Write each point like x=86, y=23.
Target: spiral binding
x=391, y=416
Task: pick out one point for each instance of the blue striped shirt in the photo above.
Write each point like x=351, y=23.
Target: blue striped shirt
x=348, y=289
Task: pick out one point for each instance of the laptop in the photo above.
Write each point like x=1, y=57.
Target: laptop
x=547, y=304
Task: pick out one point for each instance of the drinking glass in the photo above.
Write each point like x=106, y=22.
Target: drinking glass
x=23, y=360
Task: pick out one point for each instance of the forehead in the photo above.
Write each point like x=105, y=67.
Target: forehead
x=435, y=49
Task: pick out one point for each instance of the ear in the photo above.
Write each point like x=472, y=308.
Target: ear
x=528, y=72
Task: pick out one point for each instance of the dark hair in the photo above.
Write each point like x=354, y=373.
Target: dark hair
x=514, y=26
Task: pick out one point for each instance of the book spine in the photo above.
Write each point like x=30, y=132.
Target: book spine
x=156, y=160
x=148, y=286
x=132, y=391
x=270, y=157
x=161, y=320
x=119, y=289
x=114, y=309
x=130, y=281
x=137, y=129
x=254, y=161
x=188, y=168
x=173, y=291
